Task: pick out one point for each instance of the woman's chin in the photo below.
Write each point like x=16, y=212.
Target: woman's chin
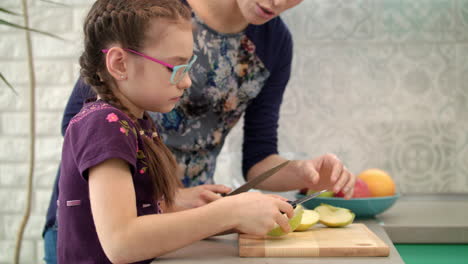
x=258, y=20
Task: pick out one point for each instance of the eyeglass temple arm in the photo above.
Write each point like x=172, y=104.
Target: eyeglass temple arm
x=147, y=57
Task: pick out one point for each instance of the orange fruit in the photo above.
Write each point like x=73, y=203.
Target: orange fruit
x=379, y=182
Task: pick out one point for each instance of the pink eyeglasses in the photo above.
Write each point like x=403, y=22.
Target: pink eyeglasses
x=178, y=71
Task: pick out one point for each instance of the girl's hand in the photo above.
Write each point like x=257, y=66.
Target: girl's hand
x=187, y=198
x=257, y=213
x=325, y=172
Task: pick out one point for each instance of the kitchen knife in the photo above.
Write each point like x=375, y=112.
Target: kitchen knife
x=305, y=199
x=260, y=178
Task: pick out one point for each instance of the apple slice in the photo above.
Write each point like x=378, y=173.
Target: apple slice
x=332, y=216
x=309, y=218
x=325, y=194
x=294, y=222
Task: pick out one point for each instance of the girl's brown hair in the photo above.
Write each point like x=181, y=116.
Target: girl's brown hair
x=125, y=22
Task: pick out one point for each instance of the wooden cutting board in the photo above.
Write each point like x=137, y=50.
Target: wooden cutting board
x=319, y=241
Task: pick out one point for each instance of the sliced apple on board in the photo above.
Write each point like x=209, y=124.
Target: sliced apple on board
x=309, y=218
x=294, y=222
x=332, y=216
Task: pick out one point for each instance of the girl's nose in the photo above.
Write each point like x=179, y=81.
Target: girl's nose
x=185, y=83
x=275, y=3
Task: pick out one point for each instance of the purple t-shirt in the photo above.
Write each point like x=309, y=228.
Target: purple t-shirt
x=97, y=133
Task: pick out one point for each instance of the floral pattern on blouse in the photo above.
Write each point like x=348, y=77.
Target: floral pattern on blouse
x=125, y=127
x=226, y=77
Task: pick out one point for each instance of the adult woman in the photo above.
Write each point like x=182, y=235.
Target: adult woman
x=244, y=62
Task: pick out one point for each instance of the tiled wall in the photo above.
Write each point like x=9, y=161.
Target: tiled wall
x=381, y=83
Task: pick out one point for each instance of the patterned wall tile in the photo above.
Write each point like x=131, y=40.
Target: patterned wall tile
x=410, y=20
x=461, y=17
x=298, y=130
x=291, y=105
x=422, y=156
x=349, y=141
x=462, y=68
x=342, y=80
x=289, y=135
x=331, y=20
x=380, y=83
x=460, y=103
x=462, y=157
x=426, y=81
x=376, y=81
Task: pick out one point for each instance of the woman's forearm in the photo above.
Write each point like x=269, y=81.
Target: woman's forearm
x=281, y=180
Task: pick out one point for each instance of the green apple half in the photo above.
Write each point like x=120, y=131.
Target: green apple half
x=332, y=216
x=294, y=222
x=309, y=218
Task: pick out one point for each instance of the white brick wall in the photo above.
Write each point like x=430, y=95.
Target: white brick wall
x=56, y=65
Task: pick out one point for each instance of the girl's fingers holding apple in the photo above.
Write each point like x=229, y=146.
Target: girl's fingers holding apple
x=286, y=208
x=283, y=222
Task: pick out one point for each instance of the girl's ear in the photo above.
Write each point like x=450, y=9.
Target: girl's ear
x=116, y=63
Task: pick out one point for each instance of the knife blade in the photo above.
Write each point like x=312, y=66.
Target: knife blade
x=305, y=199
x=260, y=178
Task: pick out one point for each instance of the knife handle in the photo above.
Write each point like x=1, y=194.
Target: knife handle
x=293, y=204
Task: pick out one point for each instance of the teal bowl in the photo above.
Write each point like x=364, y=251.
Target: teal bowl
x=362, y=207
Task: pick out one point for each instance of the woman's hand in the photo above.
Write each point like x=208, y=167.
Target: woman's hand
x=325, y=172
x=187, y=198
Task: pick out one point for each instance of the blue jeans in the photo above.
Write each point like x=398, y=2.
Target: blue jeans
x=50, y=245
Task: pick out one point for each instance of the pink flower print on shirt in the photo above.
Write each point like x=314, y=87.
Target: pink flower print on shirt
x=112, y=117
x=142, y=159
x=125, y=128
x=246, y=44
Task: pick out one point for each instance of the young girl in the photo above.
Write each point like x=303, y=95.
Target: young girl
x=115, y=169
